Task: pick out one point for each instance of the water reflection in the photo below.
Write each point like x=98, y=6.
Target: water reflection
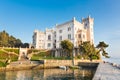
x=48, y=74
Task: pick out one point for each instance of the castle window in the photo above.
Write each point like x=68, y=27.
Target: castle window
x=49, y=45
x=49, y=37
x=69, y=28
x=79, y=35
x=69, y=36
x=55, y=33
x=60, y=38
x=86, y=24
x=60, y=31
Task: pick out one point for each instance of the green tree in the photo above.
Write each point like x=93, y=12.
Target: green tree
x=25, y=45
x=67, y=46
x=101, y=47
x=8, y=41
x=88, y=51
x=4, y=38
x=11, y=41
x=18, y=43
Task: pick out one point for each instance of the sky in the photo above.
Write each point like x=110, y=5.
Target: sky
x=21, y=17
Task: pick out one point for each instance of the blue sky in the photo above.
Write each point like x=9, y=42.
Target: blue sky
x=21, y=17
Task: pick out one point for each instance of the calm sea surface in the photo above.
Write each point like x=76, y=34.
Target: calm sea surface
x=48, y=74
x=113, y=60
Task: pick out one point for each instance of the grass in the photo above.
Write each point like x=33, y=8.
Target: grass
x=13, y=50
x=4, y=56
x=46, y=55
x=2, y=64
x=1, y=52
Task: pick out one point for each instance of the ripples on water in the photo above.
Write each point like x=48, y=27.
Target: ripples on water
x=48, y=74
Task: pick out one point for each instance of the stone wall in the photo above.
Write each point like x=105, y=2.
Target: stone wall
x=48, y=64
x=56, y=63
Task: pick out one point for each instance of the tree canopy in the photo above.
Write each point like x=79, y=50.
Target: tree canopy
x=67, y=46
x=7, y=40
x=101, y=47
x=88, y=50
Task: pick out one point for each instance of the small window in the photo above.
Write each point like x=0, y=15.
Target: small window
x=69, y=28
x=60, y=38
x=69, y=36
x=55, y=40
x=49, y=37
x=79, y=35
x=49, y=44
x=86, y=24
x=60, y=31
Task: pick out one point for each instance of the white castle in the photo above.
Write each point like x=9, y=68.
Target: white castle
x=72, y=30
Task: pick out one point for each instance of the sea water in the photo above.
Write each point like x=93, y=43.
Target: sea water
x=112, y=60
x=48, y=74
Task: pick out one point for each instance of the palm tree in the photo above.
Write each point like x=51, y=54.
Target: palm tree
x=101, y=47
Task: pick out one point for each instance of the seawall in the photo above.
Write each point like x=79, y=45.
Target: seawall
x=56, y=63
x=42, y=64
x=107, y=71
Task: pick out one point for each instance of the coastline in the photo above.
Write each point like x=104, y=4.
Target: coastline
x=112, y=60
x=45, y=64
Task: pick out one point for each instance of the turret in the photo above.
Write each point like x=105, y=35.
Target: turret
x=88, y=26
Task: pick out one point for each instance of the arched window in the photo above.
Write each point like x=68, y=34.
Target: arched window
x=49, y=37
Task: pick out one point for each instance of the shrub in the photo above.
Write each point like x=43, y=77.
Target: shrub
x=12, y=50
x=2, y=64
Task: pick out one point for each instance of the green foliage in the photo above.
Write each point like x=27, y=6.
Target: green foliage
x=33, y=50
x=2, y=64
x=5, y=56
x=67, y=46
x=25, y=45
x=46, y=55
x=38, y=56
x=49, y=57
x=88, y=51
x=101, y=47
x=8, y=41
x=12, y=50
x=1, y=52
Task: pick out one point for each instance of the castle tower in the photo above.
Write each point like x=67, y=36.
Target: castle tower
x=88, y=26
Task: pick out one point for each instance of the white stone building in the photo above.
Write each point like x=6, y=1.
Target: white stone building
x=72, y=30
